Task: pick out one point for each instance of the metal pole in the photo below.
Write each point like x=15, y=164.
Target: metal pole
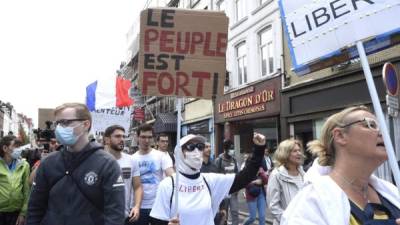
x=379, y=113
x=177, y=148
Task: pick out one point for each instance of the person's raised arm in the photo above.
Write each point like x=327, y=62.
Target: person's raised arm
x=249, y=172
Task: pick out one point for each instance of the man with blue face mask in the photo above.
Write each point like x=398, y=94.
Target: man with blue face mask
x=80, y=183
x=14, y=187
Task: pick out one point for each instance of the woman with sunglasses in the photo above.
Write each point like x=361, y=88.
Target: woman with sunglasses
x=341, y=188
x=200, y=194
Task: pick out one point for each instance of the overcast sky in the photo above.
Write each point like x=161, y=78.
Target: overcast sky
x=50, y=50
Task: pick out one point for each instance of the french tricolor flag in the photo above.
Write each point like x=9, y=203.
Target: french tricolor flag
x=103, y=94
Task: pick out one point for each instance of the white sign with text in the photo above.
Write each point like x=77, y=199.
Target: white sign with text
x=320, y=28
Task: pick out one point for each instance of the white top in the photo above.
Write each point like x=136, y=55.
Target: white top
x=196, y=206
x=152, y=166
x=323, y=202
x=129, y=169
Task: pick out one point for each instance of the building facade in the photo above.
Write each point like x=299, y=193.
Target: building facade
x=251, y=102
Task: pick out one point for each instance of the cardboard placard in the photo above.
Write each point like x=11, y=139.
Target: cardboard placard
x=182, y=52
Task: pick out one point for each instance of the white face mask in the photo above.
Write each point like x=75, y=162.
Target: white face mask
x=231, y=152
x=194, y=159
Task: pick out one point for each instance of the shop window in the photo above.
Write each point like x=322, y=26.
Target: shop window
x=241, y=60
x=266, y=51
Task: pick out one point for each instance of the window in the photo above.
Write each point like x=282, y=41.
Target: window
x=221, y=5
x=240, y=9
x=266, y=51
x=241, y=62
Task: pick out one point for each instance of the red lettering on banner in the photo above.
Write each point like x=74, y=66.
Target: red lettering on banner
x=186, y=42
x=207, y=42
x=149, y=36
x=164, y=40
x=181, y=76
x=170, y=82
x=200, y=84
x=221, y=44
x=147, y=76
x=197, y=38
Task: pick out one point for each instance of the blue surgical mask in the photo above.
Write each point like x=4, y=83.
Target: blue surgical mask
x=16, y=154
x=65, y=135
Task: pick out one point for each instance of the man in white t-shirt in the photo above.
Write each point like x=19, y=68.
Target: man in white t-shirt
x=152, y=165
x=114, y=144
x=162, y=144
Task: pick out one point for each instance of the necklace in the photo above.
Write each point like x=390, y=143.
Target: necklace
x=364, y=189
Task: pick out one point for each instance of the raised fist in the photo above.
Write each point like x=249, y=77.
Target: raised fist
x=258, y=139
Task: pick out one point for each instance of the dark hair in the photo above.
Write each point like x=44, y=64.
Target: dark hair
x=144, y=127
x=161, y=135
x=111, y=130
x=226, y=145
x=6, y=141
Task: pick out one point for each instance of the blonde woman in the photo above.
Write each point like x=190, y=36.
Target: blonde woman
x=287, y=177
x=341, y=188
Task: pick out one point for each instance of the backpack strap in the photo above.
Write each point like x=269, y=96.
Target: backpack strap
x=172, y=193
x=208, y=186
x=70, y=168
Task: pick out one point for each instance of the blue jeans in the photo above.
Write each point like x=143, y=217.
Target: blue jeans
x=259, y=203
x=144, y=218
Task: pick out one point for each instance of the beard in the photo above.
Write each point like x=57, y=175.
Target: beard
x=117, y=147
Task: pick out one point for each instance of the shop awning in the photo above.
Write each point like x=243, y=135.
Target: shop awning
x=165, y=122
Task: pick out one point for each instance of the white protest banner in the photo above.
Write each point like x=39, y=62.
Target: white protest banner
x=103, y=118
x=322, y=31
x=182, y=52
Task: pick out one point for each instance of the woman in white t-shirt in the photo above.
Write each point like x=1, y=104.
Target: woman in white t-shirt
x=200, y=194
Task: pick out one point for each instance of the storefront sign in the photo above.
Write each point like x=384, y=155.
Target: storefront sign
x=255, y=101
x=182, y=52
x=246, y=105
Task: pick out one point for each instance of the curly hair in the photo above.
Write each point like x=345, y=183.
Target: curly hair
x=324, y=148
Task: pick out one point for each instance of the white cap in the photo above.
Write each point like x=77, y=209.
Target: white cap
x=189, y=137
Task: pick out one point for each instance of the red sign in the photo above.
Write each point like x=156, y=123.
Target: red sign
x=138, y=114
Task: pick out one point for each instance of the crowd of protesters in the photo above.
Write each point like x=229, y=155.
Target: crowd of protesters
x=71, y=179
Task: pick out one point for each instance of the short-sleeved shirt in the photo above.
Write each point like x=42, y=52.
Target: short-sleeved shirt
x=196, y=206
x=129, y=169
x=151, y=166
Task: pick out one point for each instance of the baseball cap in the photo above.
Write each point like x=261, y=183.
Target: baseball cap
x=189, y=137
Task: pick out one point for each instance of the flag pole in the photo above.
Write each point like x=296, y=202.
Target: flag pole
x=177, y=148
x=379, y=113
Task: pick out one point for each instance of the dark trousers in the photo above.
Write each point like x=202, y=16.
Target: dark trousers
x=8, y=218
x=144, y=218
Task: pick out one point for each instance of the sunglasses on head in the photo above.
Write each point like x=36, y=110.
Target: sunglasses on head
x=192, y=146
